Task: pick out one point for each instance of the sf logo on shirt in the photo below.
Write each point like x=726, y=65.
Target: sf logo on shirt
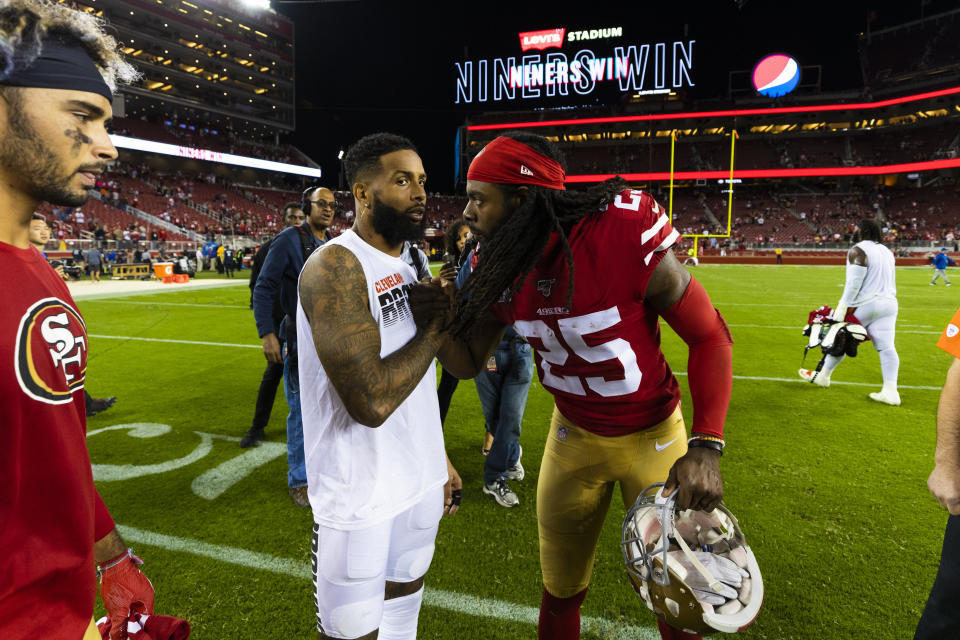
x=51, y=359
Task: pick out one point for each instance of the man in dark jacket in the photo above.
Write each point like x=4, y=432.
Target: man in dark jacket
x=278, y=278
x=292, y=217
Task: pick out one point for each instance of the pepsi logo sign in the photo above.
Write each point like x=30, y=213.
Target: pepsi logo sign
x=776, y=75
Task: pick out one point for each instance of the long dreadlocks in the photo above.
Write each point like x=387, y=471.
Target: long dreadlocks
x=515, y=247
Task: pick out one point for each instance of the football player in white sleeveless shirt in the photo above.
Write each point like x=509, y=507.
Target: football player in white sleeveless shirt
x=376, y=464
x=871, y=290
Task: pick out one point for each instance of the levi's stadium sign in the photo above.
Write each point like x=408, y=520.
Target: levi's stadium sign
x=541, y=39
x=642, y=68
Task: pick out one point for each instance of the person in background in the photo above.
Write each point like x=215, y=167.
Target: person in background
x=941, y=616
x=94, y=263
x=940, y=263
x=38, y=237
x=228, y=265
x=455, y=240
x=503, y=385
x=273, y=374
x=871, y=292
x=278, y=279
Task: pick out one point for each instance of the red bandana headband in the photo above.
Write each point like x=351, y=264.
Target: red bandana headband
x=506, y=161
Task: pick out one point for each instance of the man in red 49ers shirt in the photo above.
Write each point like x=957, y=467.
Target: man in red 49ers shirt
x=585, y=278
x=54, y=529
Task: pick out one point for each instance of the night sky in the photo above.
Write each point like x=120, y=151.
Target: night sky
x=373, y=66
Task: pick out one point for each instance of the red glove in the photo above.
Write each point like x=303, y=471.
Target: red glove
x=124, y=589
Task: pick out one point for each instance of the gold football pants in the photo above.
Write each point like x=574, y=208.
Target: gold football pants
x=91, y=633
x=577, y=477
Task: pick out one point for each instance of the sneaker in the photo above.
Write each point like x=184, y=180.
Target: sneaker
x=933, y=284
x=98, y=405
x=949, y=284
x=814, y=376
x=887, y=397
x=299, y=496
x=516, y=471
x=252, y=438
x=502, y=493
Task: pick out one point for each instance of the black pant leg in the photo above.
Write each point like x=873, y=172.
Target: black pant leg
x=267, y=394
x=448, y=384
x=941, y=617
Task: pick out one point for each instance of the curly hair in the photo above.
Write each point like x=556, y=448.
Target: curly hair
x=363, y=156
x=452, y=235
x=515, y=247
x=25, y=24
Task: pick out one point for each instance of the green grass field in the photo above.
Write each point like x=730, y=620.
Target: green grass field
x=828, y=485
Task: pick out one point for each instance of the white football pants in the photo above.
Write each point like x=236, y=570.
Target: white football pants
x=351, y=568
x=879, y=318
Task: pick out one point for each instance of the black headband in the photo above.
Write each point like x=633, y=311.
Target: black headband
x=61, y=66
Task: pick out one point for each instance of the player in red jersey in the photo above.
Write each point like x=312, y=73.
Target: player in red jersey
x=585, y=278
x=55, y=65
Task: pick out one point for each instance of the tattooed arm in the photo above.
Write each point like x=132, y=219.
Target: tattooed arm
x=463, y=358
x=333, y=293
x=466, y=358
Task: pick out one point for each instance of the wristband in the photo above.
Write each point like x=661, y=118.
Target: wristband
x=709, y=444
x=115, y=561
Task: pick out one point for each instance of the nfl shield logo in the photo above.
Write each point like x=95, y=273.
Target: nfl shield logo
x=562, y=433
x=545, y=286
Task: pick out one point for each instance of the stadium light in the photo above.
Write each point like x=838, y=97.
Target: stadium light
x=256, y=4
x=150, y=146
x=340, y=155
x=814, y=172
x=718, y=114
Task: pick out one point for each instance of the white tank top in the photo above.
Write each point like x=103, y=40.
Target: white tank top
x=881, y=280
x=359, y=476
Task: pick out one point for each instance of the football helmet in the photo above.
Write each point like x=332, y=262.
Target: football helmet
x=693, y=569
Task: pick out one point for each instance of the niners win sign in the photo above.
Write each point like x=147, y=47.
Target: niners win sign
x=642, y=68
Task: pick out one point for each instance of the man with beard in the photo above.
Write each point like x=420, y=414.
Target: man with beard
x=58, y=69
x=278, y=279
x=292, y=217
x=378, y=475
x=584, y=277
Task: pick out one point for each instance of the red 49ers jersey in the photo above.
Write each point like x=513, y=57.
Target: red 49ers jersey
x=601, y=358
x=47, y=496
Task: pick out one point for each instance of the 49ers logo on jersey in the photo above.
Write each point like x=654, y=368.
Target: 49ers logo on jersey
x=51, y=358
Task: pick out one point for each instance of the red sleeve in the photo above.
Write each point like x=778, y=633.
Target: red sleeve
x=646, y=232
x=710, y=363
x=102, y=520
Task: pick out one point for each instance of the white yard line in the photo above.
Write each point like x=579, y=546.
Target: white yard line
x=679, y=373
x=86, y=290
x=799, y=328
x=450, y=600
x=832, y=382
x=200, y=342
x=166, y=304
